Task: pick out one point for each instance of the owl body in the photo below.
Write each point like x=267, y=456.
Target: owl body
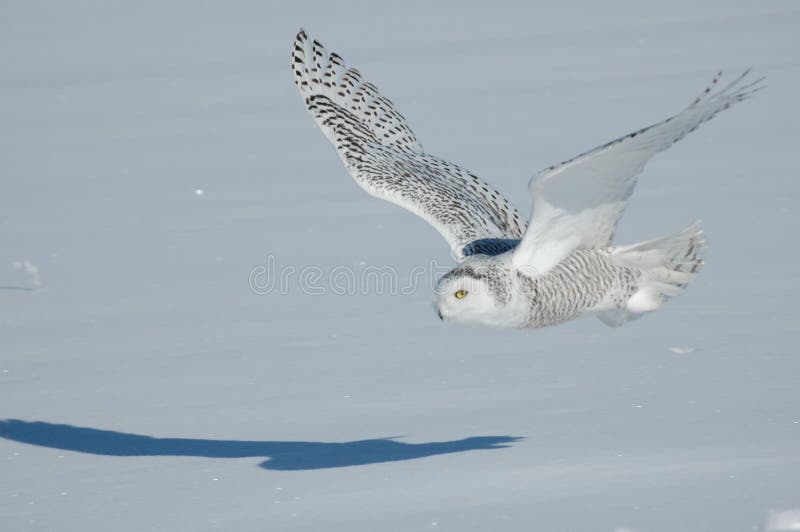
x=617, y=283
x=585, y=281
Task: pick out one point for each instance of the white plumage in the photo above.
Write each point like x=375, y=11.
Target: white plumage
x=562, y=264
x=577, y=204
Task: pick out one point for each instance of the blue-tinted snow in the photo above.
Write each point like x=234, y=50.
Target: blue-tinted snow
x=161, y=393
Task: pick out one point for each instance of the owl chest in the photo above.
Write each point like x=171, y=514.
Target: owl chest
x=577, y=284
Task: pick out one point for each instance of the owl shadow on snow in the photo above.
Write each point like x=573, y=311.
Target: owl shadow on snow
x=281, y=455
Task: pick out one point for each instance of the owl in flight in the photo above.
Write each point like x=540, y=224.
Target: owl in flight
x=559, y=265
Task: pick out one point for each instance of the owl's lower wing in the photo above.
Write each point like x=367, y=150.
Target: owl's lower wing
x=577, y=204
x=383, y=156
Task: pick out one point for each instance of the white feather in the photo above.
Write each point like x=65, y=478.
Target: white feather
x=577, y=204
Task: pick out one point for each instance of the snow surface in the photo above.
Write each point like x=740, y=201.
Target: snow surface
x=155, y=153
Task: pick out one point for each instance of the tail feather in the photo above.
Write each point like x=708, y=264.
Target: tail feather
x=667, y=266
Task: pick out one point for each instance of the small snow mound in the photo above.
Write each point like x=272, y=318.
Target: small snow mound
x=682, y=350
x=31, y=269
x=781, y=521
x=198, y=192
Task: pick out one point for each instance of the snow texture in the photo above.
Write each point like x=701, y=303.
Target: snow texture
x=783, y=520
x=145, y=386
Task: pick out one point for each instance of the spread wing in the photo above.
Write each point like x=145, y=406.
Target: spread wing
x=577, y=204
x=383, y=156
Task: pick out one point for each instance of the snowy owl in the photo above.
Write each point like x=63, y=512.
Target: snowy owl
x=558, y=266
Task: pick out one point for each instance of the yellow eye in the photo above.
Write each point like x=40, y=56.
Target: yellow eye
x=461, y=294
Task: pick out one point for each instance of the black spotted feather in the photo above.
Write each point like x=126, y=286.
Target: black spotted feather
x=383, y=156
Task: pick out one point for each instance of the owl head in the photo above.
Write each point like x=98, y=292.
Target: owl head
x=475, y=292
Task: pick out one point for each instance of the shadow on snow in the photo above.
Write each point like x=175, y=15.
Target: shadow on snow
x=281, y=455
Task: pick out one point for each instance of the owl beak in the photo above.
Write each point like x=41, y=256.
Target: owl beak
x=439, y=313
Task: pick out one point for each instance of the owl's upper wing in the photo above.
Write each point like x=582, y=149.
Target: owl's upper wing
x=383, y=156
x=577, y=204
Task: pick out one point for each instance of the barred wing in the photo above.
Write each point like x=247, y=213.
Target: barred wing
x=383, y=156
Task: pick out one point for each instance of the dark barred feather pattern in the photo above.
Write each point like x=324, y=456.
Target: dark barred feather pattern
x=383, y=156
x=575, y=285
